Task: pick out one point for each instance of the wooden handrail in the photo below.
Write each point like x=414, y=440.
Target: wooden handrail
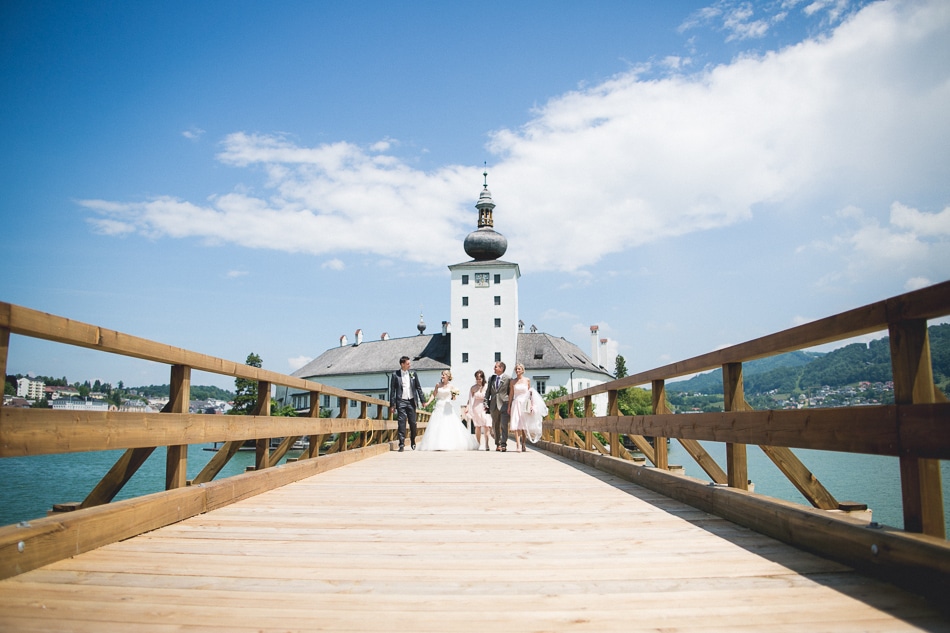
x=35, y=324
x=916, y=429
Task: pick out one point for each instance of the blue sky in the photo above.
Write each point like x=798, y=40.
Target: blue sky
x=236, y=177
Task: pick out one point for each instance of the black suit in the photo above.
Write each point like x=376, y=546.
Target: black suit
x=497, y=402
x=405, y=408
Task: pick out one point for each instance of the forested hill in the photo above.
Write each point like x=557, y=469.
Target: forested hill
x=197, y=392
x=798, y=371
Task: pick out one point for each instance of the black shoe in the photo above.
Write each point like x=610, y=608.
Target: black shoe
x=413, y=447
x=401, y=449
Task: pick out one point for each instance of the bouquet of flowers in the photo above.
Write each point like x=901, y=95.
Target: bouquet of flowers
x=455, y=392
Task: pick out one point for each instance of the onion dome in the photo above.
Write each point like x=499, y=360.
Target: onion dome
x=484, y=243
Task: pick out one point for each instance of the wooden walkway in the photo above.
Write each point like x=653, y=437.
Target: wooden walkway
x=455, y=542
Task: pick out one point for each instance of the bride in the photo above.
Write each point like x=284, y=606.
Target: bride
x=445, y=431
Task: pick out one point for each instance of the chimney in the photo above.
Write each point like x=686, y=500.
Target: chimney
x=384, y=336
x=359, y=336
x=445, y=328
x=594, y=349
x=343, y=340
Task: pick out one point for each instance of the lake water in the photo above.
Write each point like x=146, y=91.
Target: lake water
x=31, y=485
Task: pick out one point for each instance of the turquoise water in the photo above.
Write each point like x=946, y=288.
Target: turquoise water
x=31, y=485
x=871, y=479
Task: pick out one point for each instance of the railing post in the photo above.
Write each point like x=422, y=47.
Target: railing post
x=176, y=457
x=262, y=446
x=737, y=465
x=588, y=413
x=613, y=410
x=4, y=351
x=343, y=438
x=314, y=441
x=660, y=452
x=921, y=488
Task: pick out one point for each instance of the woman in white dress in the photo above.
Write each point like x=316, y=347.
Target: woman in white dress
x=526, y=410
x=445, y=431
x=475, y=411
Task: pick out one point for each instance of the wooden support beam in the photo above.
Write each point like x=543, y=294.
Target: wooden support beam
x=120, y=473
x=4, y=351
x=660, y=452
x=801, y=477
x=921, y=487
x=262, y=408
x=176, y=458
x=613, y=409
x=705, y=461
x=737, y=465
x=217, y=462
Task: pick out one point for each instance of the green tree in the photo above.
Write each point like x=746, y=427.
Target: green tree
x=620, y=367
x=562, y=391
x=245, y=398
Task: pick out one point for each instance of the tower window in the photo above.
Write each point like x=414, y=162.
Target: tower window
x=497, y=322
x=464, y=301
x=464, y=357
x=464, y=280
x=464, y=324
x=497, y=278
x=497, y=300
x=497, y=357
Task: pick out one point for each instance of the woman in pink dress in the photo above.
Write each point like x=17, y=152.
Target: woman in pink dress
x=526, y=410
x=475, y=411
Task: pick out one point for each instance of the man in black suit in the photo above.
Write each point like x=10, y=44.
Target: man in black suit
x=405, y=394
x=496, y=399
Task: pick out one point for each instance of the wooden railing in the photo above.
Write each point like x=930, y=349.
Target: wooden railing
x=26, y=432
x=916, y=429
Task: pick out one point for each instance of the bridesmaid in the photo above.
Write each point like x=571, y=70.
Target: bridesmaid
x=475, y=410
x=520, y=407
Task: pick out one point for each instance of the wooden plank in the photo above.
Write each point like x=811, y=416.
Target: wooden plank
x=911, y=560
x=46, y=431
x=424, y=542
x=737, y=466
x=52, y=538
x=874, y=430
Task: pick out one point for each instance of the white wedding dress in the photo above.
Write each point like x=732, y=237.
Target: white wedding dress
x=445, y=431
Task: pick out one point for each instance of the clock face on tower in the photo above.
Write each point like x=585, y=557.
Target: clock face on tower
x=481, y=280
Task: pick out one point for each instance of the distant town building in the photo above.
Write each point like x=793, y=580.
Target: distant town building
x=30, y=389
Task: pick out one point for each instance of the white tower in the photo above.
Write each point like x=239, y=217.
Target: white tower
x=484, y=294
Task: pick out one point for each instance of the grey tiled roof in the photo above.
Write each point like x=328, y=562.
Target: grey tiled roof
x=537, y=350
x=431, y=351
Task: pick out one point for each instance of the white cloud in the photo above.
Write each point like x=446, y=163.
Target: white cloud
x=333, y=264
x=233, y=274
x=297, y=362
x=193, y=133
x=851, y=117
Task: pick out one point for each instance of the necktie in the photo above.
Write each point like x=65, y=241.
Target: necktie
x=497, y=381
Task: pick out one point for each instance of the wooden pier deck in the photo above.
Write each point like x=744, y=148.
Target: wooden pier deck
x=473, y=541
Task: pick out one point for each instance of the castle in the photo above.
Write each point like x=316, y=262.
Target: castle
x=483, y=328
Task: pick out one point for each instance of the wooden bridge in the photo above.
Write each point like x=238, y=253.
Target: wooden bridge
x=572, y=535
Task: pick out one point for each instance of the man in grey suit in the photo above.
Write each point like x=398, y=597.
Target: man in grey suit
x=496, y=401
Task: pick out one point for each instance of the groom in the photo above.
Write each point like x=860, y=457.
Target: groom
x=405, y=394
x=496, y=399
